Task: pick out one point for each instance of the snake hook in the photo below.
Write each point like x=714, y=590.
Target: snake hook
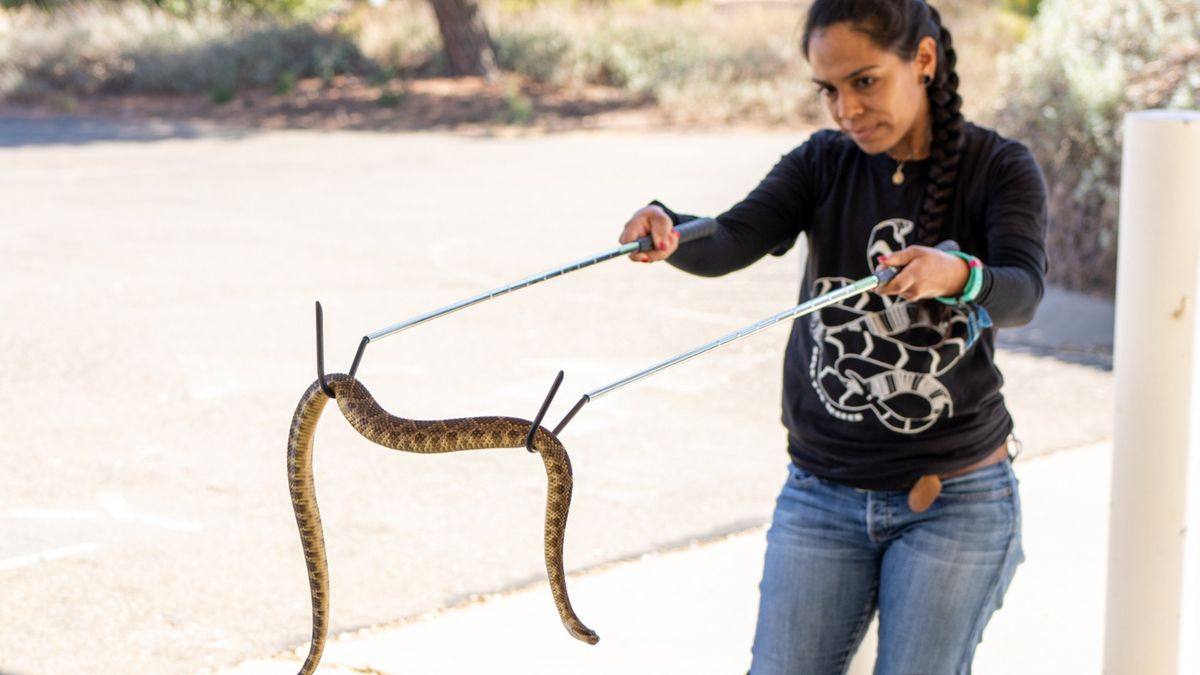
x=321, y=354
x=537, y=421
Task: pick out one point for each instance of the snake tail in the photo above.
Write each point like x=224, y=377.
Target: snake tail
x=308, y=516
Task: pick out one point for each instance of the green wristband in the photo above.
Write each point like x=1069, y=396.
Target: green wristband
x=974, y=280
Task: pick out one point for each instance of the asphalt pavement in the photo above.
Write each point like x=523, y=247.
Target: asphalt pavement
x=157, y=288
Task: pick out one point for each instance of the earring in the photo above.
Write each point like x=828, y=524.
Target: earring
x=926, y=79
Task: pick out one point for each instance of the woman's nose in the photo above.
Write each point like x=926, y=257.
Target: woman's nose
x=848, y=106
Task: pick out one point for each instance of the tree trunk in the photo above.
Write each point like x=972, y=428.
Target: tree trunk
x=465, y=37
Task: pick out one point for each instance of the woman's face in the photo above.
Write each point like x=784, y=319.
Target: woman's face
x=872, y=94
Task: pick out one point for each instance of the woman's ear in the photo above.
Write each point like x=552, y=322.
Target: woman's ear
x=926, y=61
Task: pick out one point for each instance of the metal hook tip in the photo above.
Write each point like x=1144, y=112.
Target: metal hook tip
x=325, y=388
x=537, y=421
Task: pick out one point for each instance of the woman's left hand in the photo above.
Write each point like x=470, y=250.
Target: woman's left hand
x=927, y=273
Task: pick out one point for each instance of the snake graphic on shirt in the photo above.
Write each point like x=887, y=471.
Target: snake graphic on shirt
x=883, y=356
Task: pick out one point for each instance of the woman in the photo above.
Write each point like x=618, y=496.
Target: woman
x=900, y=496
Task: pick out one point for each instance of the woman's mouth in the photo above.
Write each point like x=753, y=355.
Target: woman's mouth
x=861, y=134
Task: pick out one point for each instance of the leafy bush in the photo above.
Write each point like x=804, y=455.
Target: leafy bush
x=300, y=10
x=401, y=37
x=254, y=56
x=44, y=5
x=701, y=63
x=537, y=52
x=518, y=108
x=1024, y=7
x=1070, y=84
x=87, y=49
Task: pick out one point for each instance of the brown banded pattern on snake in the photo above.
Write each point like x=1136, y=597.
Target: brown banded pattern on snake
x=421, y=436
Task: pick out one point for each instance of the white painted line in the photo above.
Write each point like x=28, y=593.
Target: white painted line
x=118, y=509
x=46, y=556
x=168, y=523
x=114, y=507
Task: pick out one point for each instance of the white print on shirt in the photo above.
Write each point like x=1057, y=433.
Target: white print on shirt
x=882, y=354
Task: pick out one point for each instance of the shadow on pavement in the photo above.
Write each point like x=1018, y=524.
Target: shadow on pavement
x=1102, y=360
x=19, y=130
x=460, y=105
x=1071, y=327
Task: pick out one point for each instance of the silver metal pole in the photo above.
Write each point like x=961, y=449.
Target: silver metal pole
x=515, y=286
x=833, y=297
x=880, y=278
x=691, y=230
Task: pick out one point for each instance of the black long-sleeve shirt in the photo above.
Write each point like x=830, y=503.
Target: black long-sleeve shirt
x=878, y=390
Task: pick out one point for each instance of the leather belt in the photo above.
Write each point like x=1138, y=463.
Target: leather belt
x=927, y=488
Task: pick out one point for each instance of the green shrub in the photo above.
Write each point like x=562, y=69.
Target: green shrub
x=1070, y=84
x=136, y=48
x=537, y=52
x=1023, y=7
x=255, y=56
x=223, y=91
x=298, y=10
x=518, y=108
x=709, y=64
x=286, y=83
x=401, y=37
x=391, y=97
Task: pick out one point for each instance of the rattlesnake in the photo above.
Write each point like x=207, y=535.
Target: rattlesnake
x=432, y=436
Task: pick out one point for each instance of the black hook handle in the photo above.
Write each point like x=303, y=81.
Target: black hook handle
x=692, y=229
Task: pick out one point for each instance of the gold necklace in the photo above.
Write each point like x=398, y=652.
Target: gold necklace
x=898, y=177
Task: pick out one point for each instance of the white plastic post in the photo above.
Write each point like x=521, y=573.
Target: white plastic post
x=1150, y=560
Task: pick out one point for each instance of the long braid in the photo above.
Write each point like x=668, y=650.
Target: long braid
x=946, y=146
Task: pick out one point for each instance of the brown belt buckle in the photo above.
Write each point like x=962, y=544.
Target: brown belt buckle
x=924, y=492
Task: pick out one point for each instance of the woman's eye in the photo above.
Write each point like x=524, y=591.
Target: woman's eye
x=827, y=92
x=865, y=82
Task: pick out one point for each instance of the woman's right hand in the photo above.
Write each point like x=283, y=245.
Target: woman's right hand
x=651, y=220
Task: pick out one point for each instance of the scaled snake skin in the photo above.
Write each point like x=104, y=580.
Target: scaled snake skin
x=427, y=437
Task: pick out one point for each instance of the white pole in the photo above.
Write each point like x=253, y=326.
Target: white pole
x=1154, y=361
x=1189, y=654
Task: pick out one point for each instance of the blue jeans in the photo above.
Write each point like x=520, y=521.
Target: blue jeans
x=835, y=554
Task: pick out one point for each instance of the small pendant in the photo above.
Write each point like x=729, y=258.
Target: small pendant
x=898, y=177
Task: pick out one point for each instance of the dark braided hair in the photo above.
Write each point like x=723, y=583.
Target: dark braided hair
x=898, y=26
